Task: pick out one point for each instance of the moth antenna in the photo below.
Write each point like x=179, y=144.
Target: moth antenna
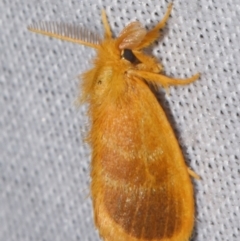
x=68, y=32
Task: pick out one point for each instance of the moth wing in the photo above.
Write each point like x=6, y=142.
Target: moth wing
x=131, y=36
x=65, y=31
x=141, y=187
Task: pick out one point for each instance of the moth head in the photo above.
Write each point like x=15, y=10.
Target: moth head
x=114, y=55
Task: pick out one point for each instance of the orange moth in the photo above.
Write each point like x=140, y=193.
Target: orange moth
x=141, y=187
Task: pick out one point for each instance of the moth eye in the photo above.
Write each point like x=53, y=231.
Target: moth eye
x=128, y=55
x=99, y=82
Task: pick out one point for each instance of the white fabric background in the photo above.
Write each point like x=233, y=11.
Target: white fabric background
x=44, y=162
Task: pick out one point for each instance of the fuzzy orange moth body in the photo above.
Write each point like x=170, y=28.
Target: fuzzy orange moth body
x=141, y=187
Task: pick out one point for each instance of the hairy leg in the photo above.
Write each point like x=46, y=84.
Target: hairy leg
x=153, y=34
x=108, y=33
x=162, y=79
x=147, y=63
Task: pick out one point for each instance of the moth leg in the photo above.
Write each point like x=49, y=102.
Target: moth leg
x=153, y=34
x=162, y=79
x=163, y=22
x=147, y=63
x=108, y=33
x=166, y=81
x=193, y=174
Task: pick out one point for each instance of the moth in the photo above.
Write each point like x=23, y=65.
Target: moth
x=141, y=187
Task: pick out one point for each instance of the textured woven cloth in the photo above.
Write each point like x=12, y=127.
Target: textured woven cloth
x=44, y=162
